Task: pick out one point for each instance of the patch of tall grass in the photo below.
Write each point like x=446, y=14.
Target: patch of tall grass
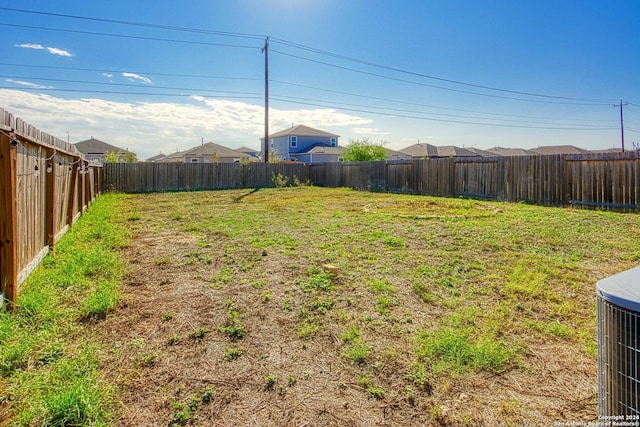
x=47, y=364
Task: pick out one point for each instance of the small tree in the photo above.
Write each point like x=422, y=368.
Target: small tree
x=118, y=157
x=130, y=157
x=364, y=151
x=112, y=156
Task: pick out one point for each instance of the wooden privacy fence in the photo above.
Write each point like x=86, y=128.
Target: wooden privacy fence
x=609, y=180
x=45, y=184
x=156, y=177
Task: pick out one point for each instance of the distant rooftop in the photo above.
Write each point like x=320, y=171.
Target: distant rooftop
x=558, y=149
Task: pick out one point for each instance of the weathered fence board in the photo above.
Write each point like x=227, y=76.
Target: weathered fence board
x=45, y=184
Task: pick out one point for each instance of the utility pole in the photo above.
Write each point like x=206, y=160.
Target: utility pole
x=621, y=122
x=265, y=49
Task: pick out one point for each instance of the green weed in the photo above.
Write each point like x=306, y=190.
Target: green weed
x=461, y=351
x=199, y=333
x=319, y=280
x=232, y=353
x=356, y=352
x=270, y=381
x=380, y=286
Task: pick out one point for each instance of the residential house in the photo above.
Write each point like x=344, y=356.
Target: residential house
x=482, y=153
x=208, y=153
x=250, y=151
x=428, y=151
x=95, y=150
x=503, y=151
x=320, y=154
x=397, y=156
x=156, y=158
x=421, y=151
x=558, y=149
x=304, y=144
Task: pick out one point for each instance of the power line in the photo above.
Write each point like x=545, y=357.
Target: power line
x=305, y=48
x=150, y=73
x=128, y=85
x=130, y=93
x=139, y=24
x=330, y=102
x=427, y=76
x=443, y=120
x=95, y=33
x=394, y=110
x=428, y=105
x=434, y=86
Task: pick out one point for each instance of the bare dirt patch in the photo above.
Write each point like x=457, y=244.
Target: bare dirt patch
x=228, y=319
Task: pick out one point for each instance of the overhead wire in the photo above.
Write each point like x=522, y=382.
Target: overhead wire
x=538, y=98
x=131, y=92
x=399, y=110
x=139, y=24
x=309, y=49
x=425, y=105
x=426, y=76
x=434, y=86
x=441, y=120
x=96, y=33
x=151, y=73
x=131, y=85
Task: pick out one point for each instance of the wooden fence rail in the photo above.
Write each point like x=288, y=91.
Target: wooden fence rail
x=45, y=184
x=610, y=181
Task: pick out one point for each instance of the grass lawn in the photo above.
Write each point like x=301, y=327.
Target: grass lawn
x=442, y=311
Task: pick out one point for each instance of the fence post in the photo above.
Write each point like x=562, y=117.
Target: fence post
x=51, y=201
x=8, y=219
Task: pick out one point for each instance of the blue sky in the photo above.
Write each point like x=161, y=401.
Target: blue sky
x=466, y=73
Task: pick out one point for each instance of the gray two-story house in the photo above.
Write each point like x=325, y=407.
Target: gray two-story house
x=305, y=144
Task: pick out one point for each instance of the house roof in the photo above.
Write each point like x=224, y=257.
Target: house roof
x=453, y=151
x=301, y=130
x=156, y=158
x=483, y=153
x=323, y=149
x=247, y=150
x=428, y=150
x=95, y=146
x=393, y=153
x=558, y=149
x=206, y=150
x=421, y=150
x=502, y=151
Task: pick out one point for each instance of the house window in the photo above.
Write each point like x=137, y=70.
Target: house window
x=194, y=160
x=333, y=141
x=294, y=141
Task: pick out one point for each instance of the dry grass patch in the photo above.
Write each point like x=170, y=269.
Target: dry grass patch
x=445, y=312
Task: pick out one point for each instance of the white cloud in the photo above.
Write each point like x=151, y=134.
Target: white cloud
x=30, y=46
x=60, y=52
x=148, y=128
x=107, y=75
x=27, y=84
x=136, y=77
x=51, y=50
